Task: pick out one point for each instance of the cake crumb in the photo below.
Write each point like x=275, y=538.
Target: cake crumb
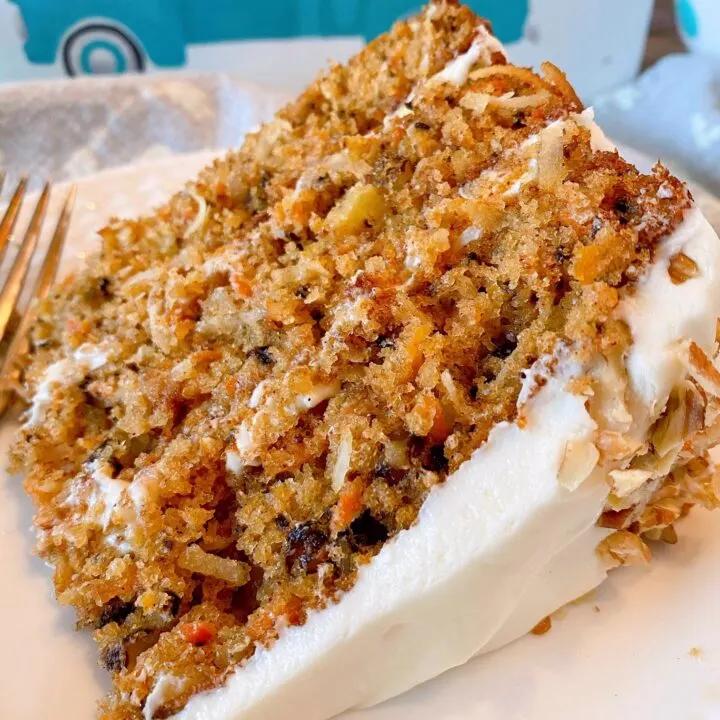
x=543, y=626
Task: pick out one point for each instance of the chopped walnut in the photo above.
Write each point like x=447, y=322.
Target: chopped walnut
x=682, y=268
x=615, y=446
x=625, y=482
x=702, y=370
x=544, y=626
x=579, y=460
x=623, y=548
x=667, y=535
x=683, y=416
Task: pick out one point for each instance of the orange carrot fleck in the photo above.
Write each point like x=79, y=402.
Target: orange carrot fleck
x=241, y=286
x=293, y=610
x=440, y=430
x=198, y=633
x=349, y=505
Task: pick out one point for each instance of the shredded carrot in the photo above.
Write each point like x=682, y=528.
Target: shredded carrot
x=349, y=505
x=241, y=286
x=294, y=610
x=440, y=430
x=198, y=633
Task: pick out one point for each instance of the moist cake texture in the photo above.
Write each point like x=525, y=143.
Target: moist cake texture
x=245, y=396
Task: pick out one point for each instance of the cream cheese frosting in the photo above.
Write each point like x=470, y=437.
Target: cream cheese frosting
x=498, y=547
x=62, y=373
x=441, y=591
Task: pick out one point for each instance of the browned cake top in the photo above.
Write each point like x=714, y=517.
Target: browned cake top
x=305, y=341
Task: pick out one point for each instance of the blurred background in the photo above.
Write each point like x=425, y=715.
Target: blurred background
x=148, y=77
x=282, y=43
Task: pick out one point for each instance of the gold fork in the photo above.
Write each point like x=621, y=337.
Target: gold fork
x=12, y=289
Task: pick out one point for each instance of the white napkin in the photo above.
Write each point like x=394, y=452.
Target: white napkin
x=66, y=129
x=71, y=128
x=672, y=112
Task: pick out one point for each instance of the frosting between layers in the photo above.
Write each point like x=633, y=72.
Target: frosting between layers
x=662, y=313
x=61, y=373
x=496, y=548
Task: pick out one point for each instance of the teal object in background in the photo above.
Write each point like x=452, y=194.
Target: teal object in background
x=92, y=48
x=105, y=36
x=687, y=17
x=508, y=17
x=699, y=23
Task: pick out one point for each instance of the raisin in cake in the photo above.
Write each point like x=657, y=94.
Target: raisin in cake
x=377, y=392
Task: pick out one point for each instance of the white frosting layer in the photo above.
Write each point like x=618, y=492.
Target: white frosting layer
x=662, y=313
x=62, y=374
x=165, y=688
x=106, y=491
x=440, y=592
x=498, y=547
x=456, y=71
x=508, y=184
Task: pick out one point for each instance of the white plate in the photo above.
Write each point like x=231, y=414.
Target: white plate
x=646, y=646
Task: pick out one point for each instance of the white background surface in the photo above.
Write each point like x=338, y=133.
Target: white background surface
x=588, y=38
x=623, y=653
x=283, y=66
x=65, y=129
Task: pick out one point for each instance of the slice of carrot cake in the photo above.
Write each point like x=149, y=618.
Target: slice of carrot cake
x=378, y=392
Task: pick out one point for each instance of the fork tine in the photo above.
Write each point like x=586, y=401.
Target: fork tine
x=7, y=225
x=13, y=285
x=49, y=268
x=42, y=286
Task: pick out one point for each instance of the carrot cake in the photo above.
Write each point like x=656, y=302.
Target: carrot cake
x=379, y=391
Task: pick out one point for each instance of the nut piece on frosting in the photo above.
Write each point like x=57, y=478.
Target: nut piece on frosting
x=623, y=548
x=580, y=459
